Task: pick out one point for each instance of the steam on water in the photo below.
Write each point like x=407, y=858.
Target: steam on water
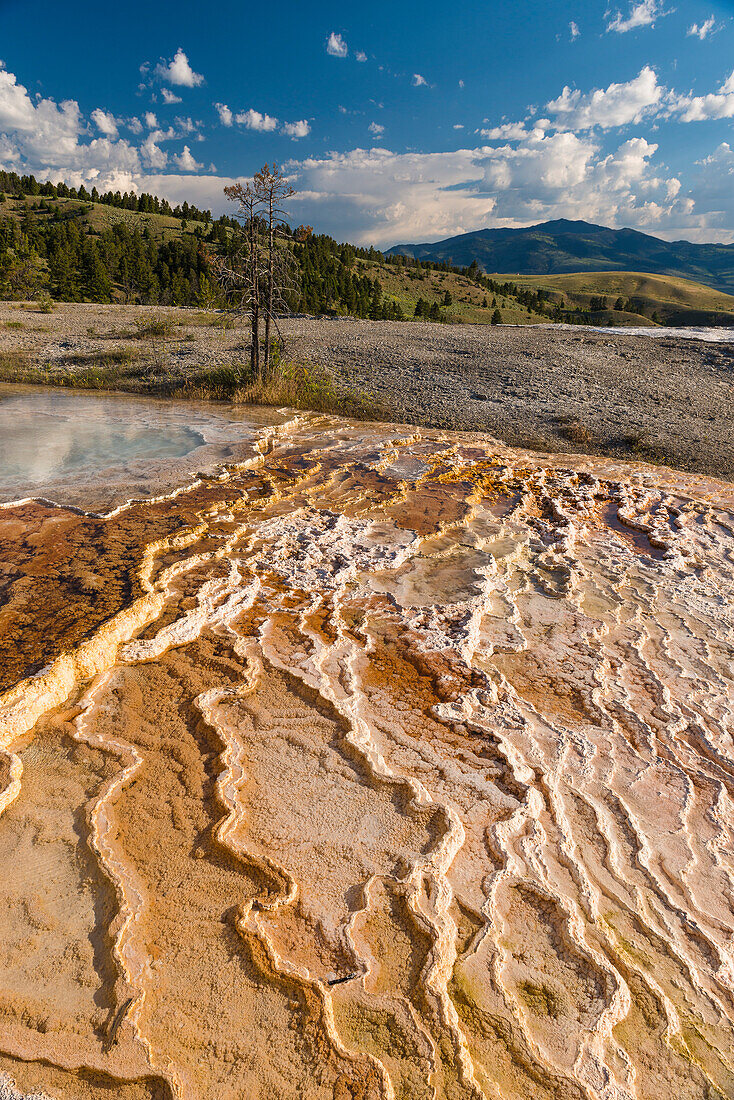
x=99, y=449
x=446, y=720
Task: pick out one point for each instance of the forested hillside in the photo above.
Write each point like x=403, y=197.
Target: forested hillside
x=81, y=246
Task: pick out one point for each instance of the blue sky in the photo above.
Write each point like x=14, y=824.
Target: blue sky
x=397, y=121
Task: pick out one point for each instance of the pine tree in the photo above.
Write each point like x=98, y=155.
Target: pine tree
x=97, y=284
x=64, y=278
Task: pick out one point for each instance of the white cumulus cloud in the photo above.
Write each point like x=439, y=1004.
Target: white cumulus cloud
x=376, y=128
x=186, y=161
x=263, y=123
x=713, y=186
x=105, y=122
x=419, y=81
x=616, y=105
x=153, y=156
x=379, y=196
x=642, y=14
x=187, y=125
x=360, y=55
x=170, y=97
x=336, y=46
x=727, y=88
x=46, y=127
x=385, y=197
x=254, y=120
x=703, y=108
x=178, y=71
x=508, y=131
x=574, y=30
x=45, y=137
x=296, y=130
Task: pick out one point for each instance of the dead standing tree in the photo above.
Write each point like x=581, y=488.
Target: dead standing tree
x=239, y=270
x=273, y=189
x=258, y=274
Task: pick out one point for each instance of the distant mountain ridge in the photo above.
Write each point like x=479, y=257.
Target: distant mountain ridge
x=562, y=246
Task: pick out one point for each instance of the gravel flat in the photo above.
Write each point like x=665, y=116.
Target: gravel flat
x=664, y=399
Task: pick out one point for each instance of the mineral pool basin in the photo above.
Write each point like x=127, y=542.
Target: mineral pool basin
x=96, y=450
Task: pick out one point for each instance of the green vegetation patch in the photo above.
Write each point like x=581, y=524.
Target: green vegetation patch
x=59, y=244
x=89, y=370
x=14, y=365
x=635, y=298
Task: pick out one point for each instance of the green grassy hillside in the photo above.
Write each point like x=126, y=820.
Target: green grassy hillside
x=654, y=299
x=674, y=301
x=470, y=304
x=97, y=216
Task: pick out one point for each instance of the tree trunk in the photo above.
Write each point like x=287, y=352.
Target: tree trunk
x=254, y=295
x=269, y=292
x=255, y=341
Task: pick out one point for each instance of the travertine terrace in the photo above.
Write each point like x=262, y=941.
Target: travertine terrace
x=388, y=765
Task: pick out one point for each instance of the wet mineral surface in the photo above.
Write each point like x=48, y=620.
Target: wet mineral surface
x=392, y=764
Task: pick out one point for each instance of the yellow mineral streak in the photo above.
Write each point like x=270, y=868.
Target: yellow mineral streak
x=409, y=774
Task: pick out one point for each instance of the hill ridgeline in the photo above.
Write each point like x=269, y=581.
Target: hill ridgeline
x=560, y=247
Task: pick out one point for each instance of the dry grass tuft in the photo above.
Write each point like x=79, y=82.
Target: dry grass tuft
x=296, y=384
x=310, y=386
x=575, y=431
x=152, y=327
x=224, y=321
x=299, y=385
x=14, y=365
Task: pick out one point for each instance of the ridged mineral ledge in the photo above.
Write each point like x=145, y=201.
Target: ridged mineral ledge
x=401, y=768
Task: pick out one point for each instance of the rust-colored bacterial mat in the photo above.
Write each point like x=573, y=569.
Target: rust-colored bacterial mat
x=384, y=765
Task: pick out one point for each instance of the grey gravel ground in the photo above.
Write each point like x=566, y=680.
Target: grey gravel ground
x=663, y=400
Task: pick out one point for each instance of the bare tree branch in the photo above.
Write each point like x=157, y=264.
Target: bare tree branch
x=258, y=271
